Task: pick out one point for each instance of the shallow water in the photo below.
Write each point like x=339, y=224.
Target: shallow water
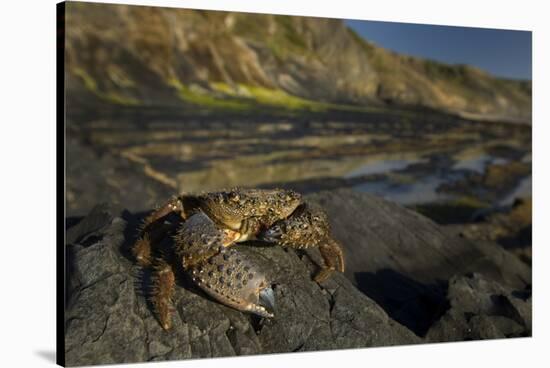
x=397, y=179
x=383, y=166
x=405, y=160
x=522, y=190
x=421, y=191
x=477, y=164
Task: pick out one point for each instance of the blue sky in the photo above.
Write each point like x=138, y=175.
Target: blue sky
x=503, y=53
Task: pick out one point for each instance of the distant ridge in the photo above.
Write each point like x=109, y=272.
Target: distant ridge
x=134, y=55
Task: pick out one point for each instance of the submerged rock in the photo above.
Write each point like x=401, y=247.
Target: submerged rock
x=396, y=290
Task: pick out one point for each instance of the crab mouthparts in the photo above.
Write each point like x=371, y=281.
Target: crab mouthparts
x=230, y=237
x=271, y=235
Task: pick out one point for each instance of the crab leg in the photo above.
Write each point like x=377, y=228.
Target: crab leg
x=332, y=254
x=162, y=291
x=150, y=232
x=173, y=205
x=142, y=250
x=308, y=228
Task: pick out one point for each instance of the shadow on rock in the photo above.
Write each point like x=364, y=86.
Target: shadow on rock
x=411, y=303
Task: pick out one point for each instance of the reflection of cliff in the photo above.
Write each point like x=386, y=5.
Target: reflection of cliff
x=134, y=55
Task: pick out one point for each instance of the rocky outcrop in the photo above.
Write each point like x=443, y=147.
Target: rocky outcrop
x=482, y=309
x=109, y=320
x=404, y=261
x=135, y=55
x=407, y=281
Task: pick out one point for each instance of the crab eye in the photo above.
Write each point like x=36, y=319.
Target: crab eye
x=234, y=197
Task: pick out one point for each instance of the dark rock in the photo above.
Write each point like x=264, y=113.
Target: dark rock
x=379, y=235
x=399, y=261
x=100, y=177
x=403, y=260
x=85, y=230
x=481, y=309
x=108, y=319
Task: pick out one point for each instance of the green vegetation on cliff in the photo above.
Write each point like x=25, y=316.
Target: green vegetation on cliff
x=135, y=55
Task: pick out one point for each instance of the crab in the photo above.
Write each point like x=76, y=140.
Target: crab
x=204, y=228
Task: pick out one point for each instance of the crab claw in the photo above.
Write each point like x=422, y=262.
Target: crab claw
x=267, y=298
x=199, y=238
x=233, y=279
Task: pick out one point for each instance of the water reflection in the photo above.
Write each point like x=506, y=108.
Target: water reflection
x=423, y=190
x=384, y=166
x=477, y=164
x=523, y=190
x=403, y=159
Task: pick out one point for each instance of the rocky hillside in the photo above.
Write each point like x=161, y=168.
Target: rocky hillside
x=134, y=55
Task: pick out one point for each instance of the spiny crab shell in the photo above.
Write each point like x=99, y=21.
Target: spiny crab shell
x=210, y=224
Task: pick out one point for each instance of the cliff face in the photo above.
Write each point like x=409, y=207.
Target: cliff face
x=160, y=56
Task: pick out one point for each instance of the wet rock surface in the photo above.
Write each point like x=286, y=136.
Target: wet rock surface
x=511, y=228
x=97, y=177
x=407, y=281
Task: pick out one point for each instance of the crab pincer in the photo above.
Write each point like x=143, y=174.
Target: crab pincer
x=230, y=277
x=235, y=280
